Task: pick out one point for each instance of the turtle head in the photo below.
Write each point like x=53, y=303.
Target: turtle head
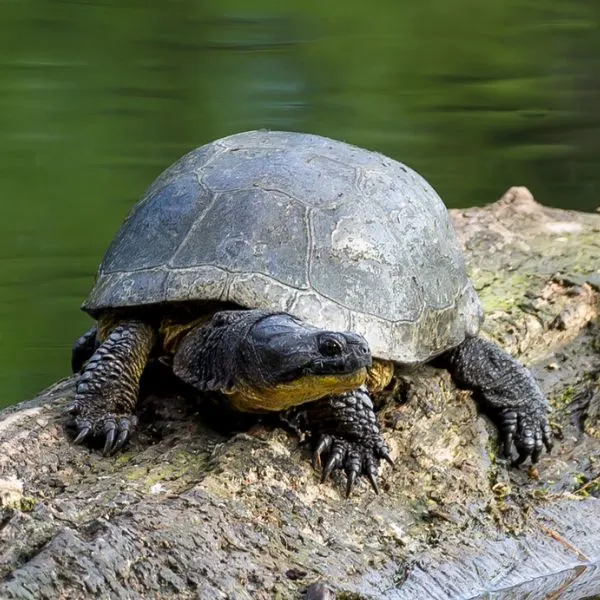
x=280, y=348
x=271, y=361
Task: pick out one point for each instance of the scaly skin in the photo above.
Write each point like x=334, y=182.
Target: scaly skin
x=107, y=390
x=84, y=348
x=346, y=435
x=507, y=391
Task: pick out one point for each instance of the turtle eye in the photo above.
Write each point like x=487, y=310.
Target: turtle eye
x=329, y=346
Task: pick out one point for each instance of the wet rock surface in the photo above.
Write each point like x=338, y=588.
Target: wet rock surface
x=190, y=512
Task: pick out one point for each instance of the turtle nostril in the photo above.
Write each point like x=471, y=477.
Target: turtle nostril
x=363, y=348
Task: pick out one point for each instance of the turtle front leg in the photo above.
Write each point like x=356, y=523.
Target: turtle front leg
x=508, y=393
x=107, y=389
x=347, y=436
x=84, y=348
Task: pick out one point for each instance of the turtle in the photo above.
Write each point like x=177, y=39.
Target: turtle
x=280, y=272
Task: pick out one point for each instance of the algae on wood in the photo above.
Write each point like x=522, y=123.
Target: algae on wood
x=187, y=512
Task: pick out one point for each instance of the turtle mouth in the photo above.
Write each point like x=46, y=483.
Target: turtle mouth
x=321, y=367
x=341, y=365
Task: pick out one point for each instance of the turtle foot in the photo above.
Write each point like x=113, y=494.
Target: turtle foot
x=107, y=389
x=355, y=458
x=527, y=429
x=347, y=437
x=112, y=431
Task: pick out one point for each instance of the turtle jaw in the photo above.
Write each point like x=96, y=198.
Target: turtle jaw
x=306, y=388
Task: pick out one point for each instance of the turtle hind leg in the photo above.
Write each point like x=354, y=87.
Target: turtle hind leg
x=84, y=348
x=107, y=389
x=347, y=436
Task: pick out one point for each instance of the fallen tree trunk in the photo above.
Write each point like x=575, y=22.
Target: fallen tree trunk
x=186, y=512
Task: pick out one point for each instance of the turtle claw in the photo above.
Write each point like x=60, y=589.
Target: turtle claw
x=547, y=437
x=323, y=446
x=115, y=431
x=383, y=453
x=334, y=462
x=84, y=430
x=351, y=479
x=354, y=457
x=109, y=428
x=526, y=431
x=508, y=444
x=372, y=467
x=373, y=481
x=122, y=439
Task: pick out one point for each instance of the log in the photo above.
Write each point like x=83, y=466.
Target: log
x=190, y=512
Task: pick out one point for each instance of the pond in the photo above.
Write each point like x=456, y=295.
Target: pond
x=98, y=97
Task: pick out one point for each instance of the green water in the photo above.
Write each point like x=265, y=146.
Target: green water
x=96, y=98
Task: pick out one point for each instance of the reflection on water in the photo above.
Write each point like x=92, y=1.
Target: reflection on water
x=97, y=97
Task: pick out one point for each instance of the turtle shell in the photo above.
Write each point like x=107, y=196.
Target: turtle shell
x=339, y=236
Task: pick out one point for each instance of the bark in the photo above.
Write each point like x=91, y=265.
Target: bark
x=188, y=512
